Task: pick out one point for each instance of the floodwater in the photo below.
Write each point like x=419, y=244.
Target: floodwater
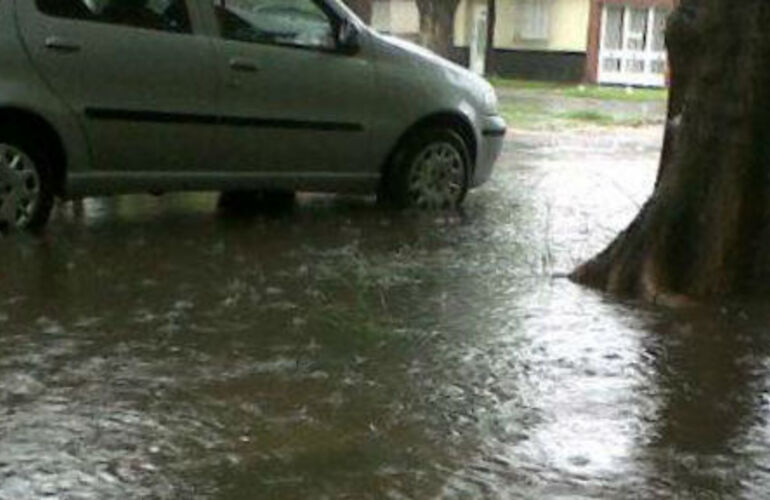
x=158, y=348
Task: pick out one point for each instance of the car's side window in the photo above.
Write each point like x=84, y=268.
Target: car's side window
x=160, y=15
x=297, y=23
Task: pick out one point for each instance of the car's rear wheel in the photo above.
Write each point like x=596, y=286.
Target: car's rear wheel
x=431, y=170
x=26, y=191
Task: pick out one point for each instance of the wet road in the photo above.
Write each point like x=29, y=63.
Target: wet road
x=153, y=347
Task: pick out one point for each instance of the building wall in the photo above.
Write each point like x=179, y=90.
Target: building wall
x=463, y=20
x=398, y=17
x=547, y=65
x=406, y=16
x=381, y=20
x=561, y=56
x=568, y=26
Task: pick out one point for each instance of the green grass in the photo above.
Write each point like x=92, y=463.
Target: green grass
x=529, y=116
x=524, y=115
x=589, y=116
x=523, y=84
x=627, y=94
x=532, y=105
x=615, y=93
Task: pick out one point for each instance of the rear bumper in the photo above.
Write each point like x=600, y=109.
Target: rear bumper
x=493, y=132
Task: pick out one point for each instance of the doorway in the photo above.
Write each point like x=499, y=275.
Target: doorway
x=633, y=49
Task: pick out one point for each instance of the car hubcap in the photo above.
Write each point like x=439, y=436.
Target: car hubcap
x=437, y=177
x=19, y=187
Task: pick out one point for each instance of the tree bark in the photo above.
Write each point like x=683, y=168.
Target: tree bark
x=362, y=8
x=489, y=64
x=705, y=231
x=437, y=20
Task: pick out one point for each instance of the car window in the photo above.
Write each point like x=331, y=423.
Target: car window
x=161, y=15
x=300, y=23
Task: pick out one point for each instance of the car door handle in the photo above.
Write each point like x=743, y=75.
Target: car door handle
x=244, y=65
x=61, y=45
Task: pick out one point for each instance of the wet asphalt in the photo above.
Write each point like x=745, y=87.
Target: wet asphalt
x=162, y=348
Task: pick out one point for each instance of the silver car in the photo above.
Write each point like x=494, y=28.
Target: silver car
x=102, y=97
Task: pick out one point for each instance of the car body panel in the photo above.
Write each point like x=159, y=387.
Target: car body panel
x=23, y=90
x=292, y=109
x=123, y=85
x=493, y=130
x=415, y=83
x=331, y=123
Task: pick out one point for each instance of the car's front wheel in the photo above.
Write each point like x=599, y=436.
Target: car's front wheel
x=431, y=170
x=26, y=191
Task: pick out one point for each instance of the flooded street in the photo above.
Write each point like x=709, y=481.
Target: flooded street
x=157, y=348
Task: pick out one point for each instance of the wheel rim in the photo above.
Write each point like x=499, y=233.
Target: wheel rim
x=19, y=186
x=437, y=177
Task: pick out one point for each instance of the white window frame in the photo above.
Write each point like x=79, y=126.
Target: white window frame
x=648, y=57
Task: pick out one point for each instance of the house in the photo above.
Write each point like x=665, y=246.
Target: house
x=534, y=39
x=602, y=41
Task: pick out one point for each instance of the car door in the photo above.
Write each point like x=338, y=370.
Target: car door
x=291, y=102
x=142, y=83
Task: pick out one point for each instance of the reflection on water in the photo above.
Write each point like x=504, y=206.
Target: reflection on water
x=154, y=347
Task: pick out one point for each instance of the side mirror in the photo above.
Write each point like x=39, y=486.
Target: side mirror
x=348, y=38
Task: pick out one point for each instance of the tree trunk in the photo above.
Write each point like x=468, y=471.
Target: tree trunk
x=362, y=8
x=437, y=20
x=489, y=64
x=705, y=231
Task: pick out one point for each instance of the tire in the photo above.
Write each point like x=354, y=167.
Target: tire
x=430, y=170
x=26, y=181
